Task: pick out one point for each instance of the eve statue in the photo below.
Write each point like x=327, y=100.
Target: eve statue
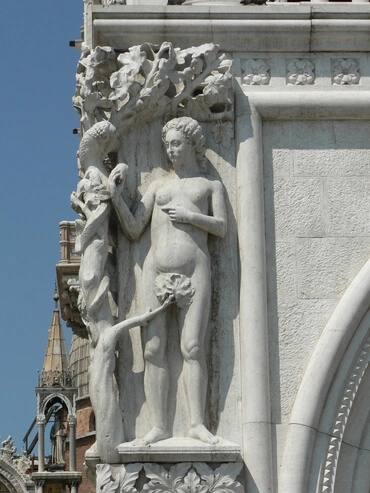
x=182, y=208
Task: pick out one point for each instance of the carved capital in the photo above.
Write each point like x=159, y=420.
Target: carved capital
x=72, y=420
x=74, y=483
x=40, y=419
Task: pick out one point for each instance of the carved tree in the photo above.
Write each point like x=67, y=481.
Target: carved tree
x=148, y=83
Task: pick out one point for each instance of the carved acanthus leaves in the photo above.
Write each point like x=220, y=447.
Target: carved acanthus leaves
x=222, y=479
x=146, y=83
x=193, y=478
x=124, y=481
x=163, y=480
x=183, y=477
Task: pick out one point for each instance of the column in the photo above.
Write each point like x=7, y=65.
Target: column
x=41, y=440
x=72, y=442
x=256, y=415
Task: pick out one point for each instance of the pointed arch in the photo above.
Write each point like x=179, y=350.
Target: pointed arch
x=309, y=420
x=57, y=396
x=11, y=478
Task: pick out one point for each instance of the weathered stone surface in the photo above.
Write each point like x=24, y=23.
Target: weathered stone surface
x=316, y=209
x=349, y=206
x=326, y=266
x=300, y=325
x=299, y=207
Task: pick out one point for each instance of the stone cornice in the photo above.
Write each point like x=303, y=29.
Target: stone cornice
x=281, y=27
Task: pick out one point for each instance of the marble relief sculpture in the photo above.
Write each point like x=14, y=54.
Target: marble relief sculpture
x=92, y=202
x=181, y=208
x=146, y=83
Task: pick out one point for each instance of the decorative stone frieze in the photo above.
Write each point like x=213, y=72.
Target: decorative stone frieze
x=300, y=72
x=197, y=477
x=345, y=72
x=256, y=72
x=55, y=378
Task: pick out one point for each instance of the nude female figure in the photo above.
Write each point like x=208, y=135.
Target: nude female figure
x=183, y=208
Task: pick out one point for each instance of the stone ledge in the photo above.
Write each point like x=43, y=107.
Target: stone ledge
x=173, y=450
x=57, y=476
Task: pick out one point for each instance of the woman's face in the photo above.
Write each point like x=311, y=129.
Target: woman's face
x=179, y=149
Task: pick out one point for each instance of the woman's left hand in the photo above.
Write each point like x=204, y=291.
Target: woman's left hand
x=178, y=213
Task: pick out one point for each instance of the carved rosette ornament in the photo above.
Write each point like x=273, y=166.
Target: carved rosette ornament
x=146, y=83
x=345, y=72
x=197, y=477
x=301, y=72
x=255, y=73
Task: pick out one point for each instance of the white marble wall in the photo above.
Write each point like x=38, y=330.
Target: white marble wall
x=317, y=179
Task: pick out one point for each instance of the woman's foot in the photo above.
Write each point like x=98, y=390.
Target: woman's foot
x=155, y=435
x=201, y=433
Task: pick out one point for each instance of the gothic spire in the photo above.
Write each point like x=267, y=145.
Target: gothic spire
x=56, y=371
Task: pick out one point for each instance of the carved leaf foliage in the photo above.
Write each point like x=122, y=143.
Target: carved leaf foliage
x=223, y=479
x=215, y=90
x=104, y=480
x=207, y=79
x=163, y=481
x=223, y=133
x=192, y=484
x=148, y=82
x=177, y=285
x=127, y=478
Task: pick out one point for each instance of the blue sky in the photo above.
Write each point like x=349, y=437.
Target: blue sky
x=38, y=173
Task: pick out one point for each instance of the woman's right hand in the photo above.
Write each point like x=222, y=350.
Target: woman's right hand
x=117, y=179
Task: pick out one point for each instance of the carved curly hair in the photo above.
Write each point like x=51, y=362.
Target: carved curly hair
x=100, y=134
x=193, y=133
